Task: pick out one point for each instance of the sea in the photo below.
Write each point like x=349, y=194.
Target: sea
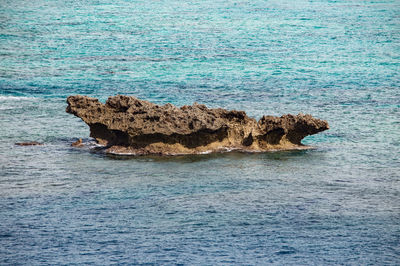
x=337, y=203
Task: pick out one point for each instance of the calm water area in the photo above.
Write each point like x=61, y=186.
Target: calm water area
x=335, y=204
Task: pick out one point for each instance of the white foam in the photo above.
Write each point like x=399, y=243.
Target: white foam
x=204, y=152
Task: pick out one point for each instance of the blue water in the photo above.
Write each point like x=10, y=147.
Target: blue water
x=335, y=204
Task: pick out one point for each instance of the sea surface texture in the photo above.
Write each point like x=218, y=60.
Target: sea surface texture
x=338, y=203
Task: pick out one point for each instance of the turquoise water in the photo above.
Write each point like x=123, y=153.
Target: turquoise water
x=335, y=204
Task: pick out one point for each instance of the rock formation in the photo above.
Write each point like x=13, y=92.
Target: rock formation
x=127, y=125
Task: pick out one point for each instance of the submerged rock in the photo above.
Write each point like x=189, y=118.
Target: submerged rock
x=29, y=143
x=127, y=125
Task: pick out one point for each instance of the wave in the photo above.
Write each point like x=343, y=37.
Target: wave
x=15, y=98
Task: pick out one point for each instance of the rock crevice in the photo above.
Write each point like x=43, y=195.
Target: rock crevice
x=127, y=125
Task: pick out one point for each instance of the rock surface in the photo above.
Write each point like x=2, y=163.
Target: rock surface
x=127, y=125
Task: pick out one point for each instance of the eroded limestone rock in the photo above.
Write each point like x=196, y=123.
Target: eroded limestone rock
x=127, y=125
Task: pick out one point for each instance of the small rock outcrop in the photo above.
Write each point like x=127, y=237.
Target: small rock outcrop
x=77, y=143
x=127, y=125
